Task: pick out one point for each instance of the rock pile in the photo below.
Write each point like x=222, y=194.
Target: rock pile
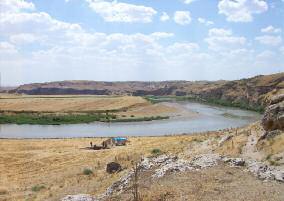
x=80, y=197
x=234, y=162
x=265, y=172
x=205, y=160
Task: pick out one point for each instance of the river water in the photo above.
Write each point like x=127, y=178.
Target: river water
x=210, y=118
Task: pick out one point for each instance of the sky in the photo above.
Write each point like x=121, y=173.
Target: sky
x=134, y=40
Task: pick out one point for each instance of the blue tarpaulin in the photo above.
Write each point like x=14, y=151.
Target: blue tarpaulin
x=120, y=138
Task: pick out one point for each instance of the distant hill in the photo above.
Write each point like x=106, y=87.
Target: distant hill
x=251, y=91
x=6, y=89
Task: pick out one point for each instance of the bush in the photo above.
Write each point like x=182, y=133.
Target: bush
x=87, y=171
x=3, y=191
x=156, y=151
x=37, y=188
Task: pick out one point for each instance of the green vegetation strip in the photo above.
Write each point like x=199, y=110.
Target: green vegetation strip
x=50, y=119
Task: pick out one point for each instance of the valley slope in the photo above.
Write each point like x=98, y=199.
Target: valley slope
x=247, y=93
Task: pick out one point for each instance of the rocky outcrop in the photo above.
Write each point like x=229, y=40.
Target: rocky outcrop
x=169, y=164
x=273, y=118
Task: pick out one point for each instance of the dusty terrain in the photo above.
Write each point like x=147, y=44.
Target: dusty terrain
x=56, y=166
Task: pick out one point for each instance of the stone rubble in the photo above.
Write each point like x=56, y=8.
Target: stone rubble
x=234, y=162
x=205, y=160
x=174, y=166
x=164, y=164
x=80, y=197
x=265, y=172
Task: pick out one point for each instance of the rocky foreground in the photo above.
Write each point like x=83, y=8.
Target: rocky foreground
x=248, y=165
x=164, y=165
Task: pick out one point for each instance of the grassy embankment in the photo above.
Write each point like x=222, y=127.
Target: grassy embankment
x=213, y=101
x=52, y=119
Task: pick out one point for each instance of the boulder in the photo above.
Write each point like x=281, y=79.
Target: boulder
x=113, y=167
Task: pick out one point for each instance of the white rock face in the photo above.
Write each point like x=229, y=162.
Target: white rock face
x=205, y=160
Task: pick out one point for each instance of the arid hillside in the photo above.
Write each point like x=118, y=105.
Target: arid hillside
x=252, y=91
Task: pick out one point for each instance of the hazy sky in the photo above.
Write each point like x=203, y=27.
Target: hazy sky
x=48, y=40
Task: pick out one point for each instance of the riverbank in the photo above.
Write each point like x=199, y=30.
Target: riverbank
x=50, y=169
x=212, y=101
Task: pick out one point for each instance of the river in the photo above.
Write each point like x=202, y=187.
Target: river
x=210, y=118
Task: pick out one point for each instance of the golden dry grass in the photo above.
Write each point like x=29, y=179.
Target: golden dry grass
x=68, y=103
x=58, y=165
x=272, y=145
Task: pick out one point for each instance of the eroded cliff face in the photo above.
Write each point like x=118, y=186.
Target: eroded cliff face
x=273, y=118
x=253, y=91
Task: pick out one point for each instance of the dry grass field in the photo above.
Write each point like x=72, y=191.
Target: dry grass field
x=57, y=165
x=68, y=103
